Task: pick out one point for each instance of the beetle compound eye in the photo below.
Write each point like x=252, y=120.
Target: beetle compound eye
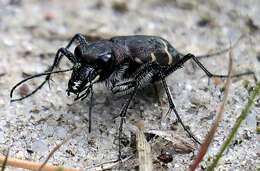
x=103, y=60
x=105, y=57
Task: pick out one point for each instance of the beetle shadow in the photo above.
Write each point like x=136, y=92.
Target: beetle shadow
x=107, y=106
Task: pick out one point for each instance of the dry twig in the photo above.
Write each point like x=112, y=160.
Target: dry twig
x=5, y=161
x=204, y=147
x=33, y=165
x=144, y=150
x=58, y=146
x=177, y=142
x=108, y=165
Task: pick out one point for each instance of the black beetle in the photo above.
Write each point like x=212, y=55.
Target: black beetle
x=125, y=64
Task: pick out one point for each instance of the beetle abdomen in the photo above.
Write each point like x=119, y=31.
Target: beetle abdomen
x=146, y=49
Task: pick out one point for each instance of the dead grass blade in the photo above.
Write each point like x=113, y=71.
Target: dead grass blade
x=204, y=147
x=179, y=143
x=108, y=165
x=40, y=166
x=144, y=150
x=58, y=146
x=33, y=165
x=5, y=161
x=240, y=119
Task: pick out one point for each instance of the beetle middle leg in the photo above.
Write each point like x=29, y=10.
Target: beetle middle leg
x=140, y=78
x=122, y=119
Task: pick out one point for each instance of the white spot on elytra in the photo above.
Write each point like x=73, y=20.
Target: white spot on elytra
x=138, y=60
x=167, y=52
x=153, y=57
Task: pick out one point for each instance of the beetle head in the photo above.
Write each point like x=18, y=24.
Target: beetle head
x=95, y=63
x=98, y=55
x=81, y=78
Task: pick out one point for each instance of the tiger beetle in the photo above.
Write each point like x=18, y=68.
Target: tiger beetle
x=125, y=64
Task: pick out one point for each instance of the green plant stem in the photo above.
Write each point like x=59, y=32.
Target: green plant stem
x=235, y=128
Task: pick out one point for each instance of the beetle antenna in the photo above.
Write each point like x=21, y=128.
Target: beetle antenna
x=39, y=87
x=60, y=53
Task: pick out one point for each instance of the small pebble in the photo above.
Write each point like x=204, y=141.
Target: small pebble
x=204, y=22
x=251, y=121
x=120, y=6
x=2, y=73
x=49, y=16
x=188, y=87
x=61, y=132
x=24, y=90
x=165, y=157
x=48, y=131
x=2, y=137
x=258, y=57
x=176, y=165
x=29, y=151
x=20, y=155
x=246, y=135
x=51, y=122
x=2, y=102
x=199, y=98
x=70, y=152
x=8, y=42
x=39, y=146
x=253, y=27
x=243, y=163
x=258, y=130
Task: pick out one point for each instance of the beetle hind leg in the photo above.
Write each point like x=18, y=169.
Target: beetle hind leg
x=173, y=108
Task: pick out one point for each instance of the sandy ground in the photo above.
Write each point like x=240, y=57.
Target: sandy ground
x=32, y=31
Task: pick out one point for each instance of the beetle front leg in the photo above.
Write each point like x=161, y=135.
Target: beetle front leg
x=142, y=76
x=77, y=37
x=123, y=87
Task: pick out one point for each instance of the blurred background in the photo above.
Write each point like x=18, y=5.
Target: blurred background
x=31, y=32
